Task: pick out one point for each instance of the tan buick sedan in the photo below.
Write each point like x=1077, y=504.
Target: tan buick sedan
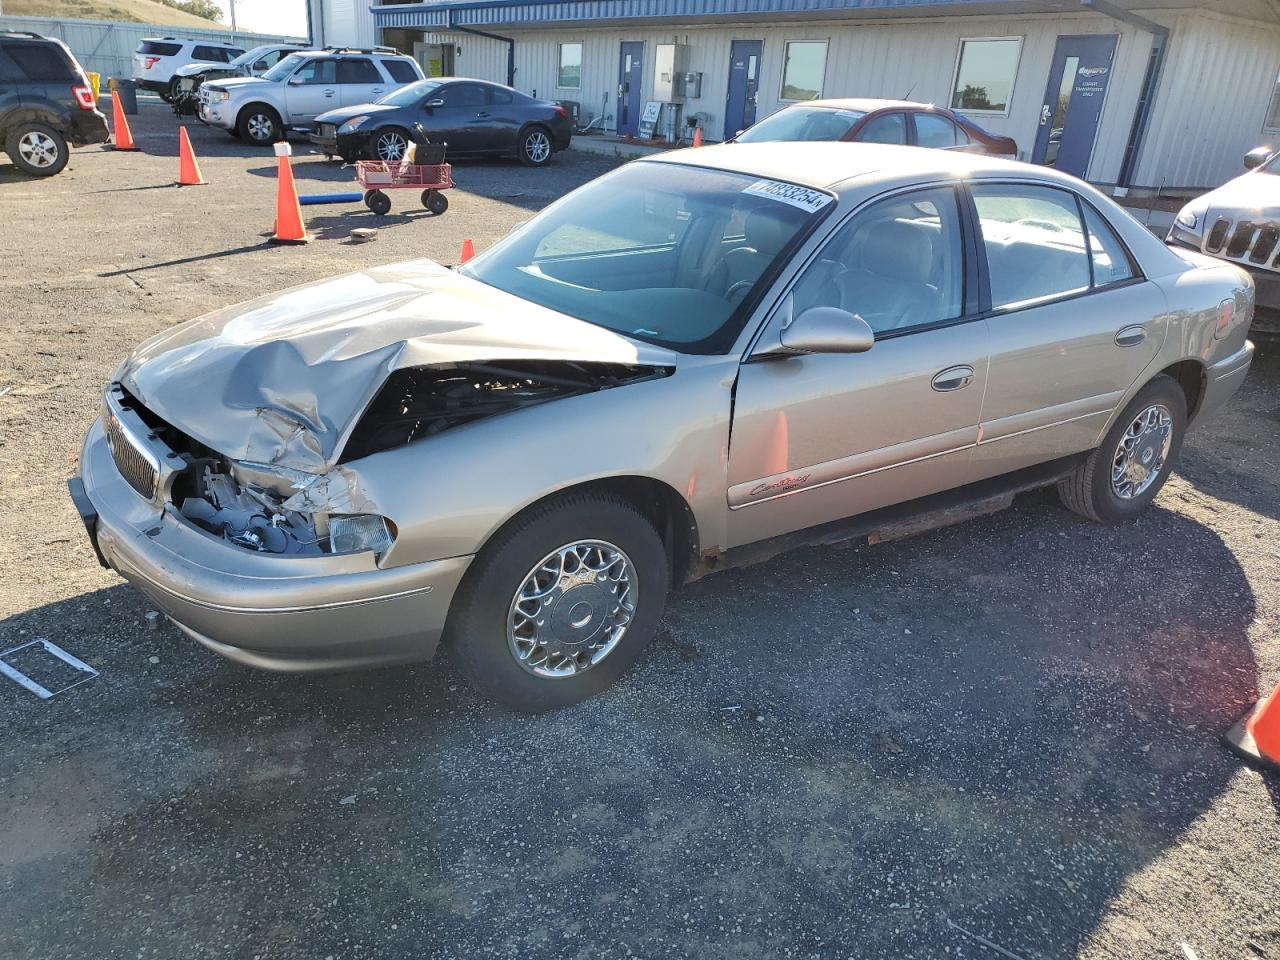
x=699, y=359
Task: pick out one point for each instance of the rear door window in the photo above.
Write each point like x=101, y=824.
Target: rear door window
x=358, y=70
x=211, y=54
x=1034, y=241
x=159, y=48
x=886, y=128
x=1111, y=261
x=401, y=71
x=500, y=95
x=935, y=131
x=39, y=61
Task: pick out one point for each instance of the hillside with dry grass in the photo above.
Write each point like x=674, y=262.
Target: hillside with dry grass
x=136, y=11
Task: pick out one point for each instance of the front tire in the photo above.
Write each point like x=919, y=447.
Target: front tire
x=388, y=145
x=1120, y=479
x=561, y=603
x=260, y=125
x=37, y=149
x=535, y=147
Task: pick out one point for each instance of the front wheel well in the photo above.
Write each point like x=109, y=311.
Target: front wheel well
x=661, y=504
x=1190, y=376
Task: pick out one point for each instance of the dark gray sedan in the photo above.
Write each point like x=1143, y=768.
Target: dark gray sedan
x=474, y=117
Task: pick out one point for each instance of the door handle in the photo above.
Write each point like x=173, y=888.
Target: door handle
x=480, y=116
x=953, y=378
x=328, y=93
x=1131, y=336
x=378, y=90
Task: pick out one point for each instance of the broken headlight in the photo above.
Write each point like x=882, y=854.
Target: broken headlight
x=349, y=533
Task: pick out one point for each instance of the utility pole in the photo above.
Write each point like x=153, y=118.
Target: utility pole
x=233, y=19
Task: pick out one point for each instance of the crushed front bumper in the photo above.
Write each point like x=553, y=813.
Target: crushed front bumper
x=280, y=613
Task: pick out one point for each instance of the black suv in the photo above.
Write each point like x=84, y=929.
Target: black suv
x=45, y=103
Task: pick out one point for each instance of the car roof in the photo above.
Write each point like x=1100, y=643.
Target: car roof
x=203, y=43
x=863, y=104
x=825, y=165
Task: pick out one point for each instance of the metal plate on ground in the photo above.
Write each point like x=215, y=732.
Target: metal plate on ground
x=44, y=668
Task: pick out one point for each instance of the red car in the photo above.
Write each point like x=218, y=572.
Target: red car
x=879, y=121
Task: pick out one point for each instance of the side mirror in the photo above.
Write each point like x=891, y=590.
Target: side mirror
x=1257, y=157
x=827, y=330
x=432, y=104
x=295, y=81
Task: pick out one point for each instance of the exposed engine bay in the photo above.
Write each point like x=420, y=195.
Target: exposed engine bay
x=417, y=402
x=249, y=516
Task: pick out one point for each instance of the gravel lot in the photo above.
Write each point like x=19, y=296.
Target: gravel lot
x=1004, y=730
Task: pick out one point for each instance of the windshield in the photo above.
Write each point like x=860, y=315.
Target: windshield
x=670, y=254
x=249, y=56
x=410, y=94
x=284, y=67
x=803, y=123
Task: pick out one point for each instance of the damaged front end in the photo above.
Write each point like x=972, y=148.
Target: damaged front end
x=271, y=508
x=254, y=506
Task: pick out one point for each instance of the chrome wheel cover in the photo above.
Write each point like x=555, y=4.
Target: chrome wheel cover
x=1142, y=452
x=390, y=146
x=38, y=149
x=573, y=609
x=537, y=146
x=260, y=127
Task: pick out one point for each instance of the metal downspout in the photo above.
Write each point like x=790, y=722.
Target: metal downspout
x=1146, y=96
x=511, y=45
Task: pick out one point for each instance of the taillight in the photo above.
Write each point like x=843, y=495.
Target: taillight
x=149, y=62
x=561, y=111
x=84, y=96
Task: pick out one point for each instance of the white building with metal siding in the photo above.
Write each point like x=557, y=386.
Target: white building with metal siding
x=1187, y=88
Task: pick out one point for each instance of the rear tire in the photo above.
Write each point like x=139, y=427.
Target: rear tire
x=37, y=149
x=260, y=125
x=535, y=147
x=1119, y=480
x=435, y=201
x=486, y=628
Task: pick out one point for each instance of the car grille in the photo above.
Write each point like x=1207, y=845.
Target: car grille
x=325, y=130
x=137, y=468
x=1244, y=241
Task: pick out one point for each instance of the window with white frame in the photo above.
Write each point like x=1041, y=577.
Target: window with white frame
x=570, y=66
x=1273, y=109
x=985, y=71
x=804, y=66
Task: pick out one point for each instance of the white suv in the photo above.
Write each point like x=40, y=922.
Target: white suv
x=301, y=87
x=157, y=59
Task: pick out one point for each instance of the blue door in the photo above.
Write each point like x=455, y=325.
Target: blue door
x=744, y=84
x=1073, y=101
x=630, y=69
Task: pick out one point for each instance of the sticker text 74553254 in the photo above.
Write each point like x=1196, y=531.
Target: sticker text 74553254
x=803, y=197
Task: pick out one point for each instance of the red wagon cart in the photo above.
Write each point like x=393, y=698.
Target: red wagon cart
x=379, y=175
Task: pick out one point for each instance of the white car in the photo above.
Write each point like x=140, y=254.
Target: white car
x=1240, y=222
x=301, y=87
x=157, y=60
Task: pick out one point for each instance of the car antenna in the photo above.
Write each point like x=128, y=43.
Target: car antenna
x=908, y=94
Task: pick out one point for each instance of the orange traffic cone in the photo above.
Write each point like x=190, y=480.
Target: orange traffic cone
x=188, y=168
x=1256, y=735
x=120, y=126
x=468, y=251
x=289, y=226
x=697, y=136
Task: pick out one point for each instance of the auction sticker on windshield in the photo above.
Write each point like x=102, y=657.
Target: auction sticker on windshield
x=802, y=197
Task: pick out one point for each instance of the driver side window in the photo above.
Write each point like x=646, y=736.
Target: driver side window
x=898, y=264
x=317, y=71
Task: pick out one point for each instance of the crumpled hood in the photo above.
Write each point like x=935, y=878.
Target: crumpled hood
x=283, y=379
x=1254, y=194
